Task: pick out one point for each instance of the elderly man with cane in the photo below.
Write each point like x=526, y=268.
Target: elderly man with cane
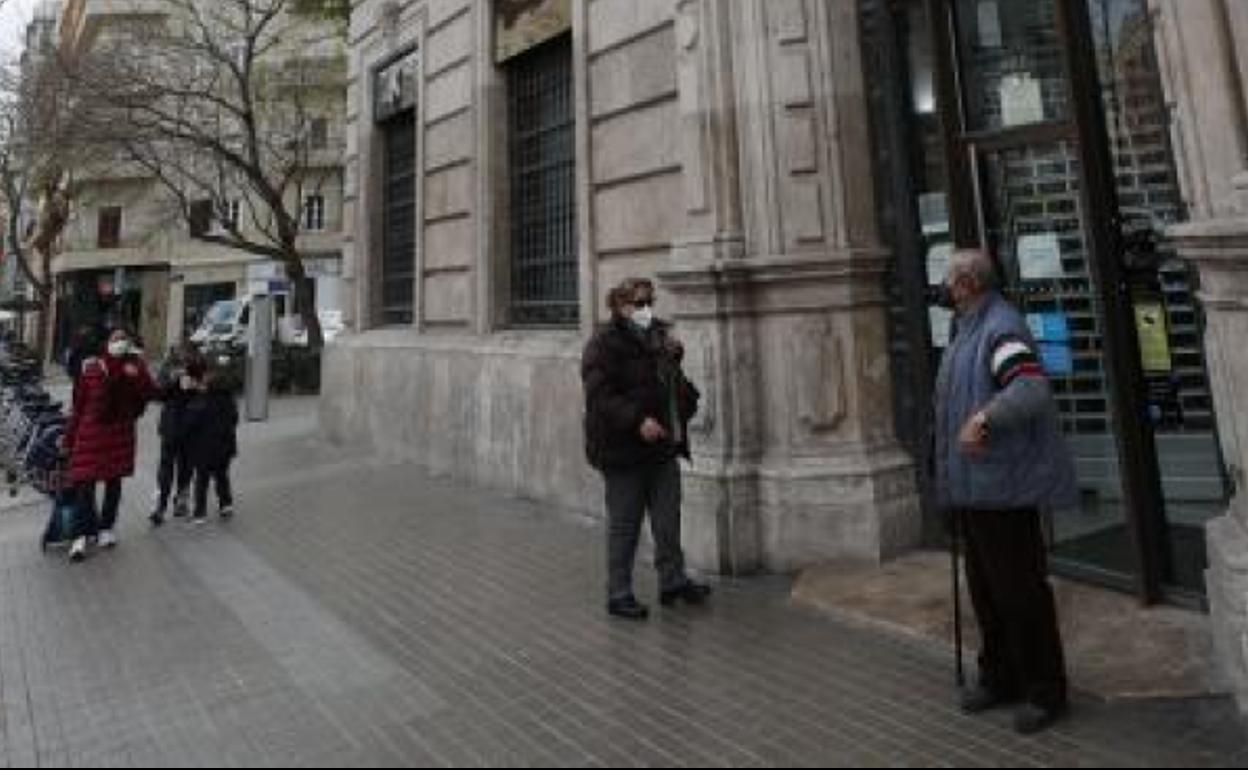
x=1001, y=461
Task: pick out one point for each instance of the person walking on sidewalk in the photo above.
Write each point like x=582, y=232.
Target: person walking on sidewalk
x=638, y=404
x=1001, y=461
x=179, y=379
x=212, y=442
x=110, y=395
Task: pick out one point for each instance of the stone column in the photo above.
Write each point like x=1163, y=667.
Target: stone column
x=1203, y=47
x=778, y=284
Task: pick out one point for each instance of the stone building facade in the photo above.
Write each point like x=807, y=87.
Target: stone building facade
x=720, y=147
x=793, y=173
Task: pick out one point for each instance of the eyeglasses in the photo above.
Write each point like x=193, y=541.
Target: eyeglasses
x=640, y=303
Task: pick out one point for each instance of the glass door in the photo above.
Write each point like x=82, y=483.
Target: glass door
x=1033, y=179
x=1033, y=218
x=1166, y=314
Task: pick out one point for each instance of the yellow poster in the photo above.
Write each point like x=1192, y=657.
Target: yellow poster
x=1154, y=334
x=524, y=24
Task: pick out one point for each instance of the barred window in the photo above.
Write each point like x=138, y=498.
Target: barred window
x=542, y=161
x=398, y=262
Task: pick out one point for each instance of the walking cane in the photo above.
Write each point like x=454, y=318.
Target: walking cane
x=955, y=545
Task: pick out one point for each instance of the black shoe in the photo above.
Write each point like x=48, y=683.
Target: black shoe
x=1030, y=719
x=978, y=699
x=628, y=608
x=691, y=593
x=157, y=519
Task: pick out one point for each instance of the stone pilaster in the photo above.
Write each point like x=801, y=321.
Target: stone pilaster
x=1203, y=49
x=1220, y=250
x=778, y=282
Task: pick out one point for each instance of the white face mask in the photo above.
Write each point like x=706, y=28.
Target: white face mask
x=643, y=317
x=118, y=348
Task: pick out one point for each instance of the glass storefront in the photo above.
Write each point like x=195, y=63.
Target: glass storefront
x=1038, y=128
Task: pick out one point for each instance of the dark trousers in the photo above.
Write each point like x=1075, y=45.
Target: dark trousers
x=1006, y=569
x=90, y=519
x=174, y=465
x=220, y=474
x=631, y=493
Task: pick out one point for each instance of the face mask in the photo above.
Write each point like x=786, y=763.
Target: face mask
x=643, y=318
x=119, y=348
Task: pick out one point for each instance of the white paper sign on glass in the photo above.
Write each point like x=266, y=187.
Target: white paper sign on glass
x=989, y=24
x=938, y=257
x=934, y=213
x=1021, y=100
x=941, y=321
x=1040, y=257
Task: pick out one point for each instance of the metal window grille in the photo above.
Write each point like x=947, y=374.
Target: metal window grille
x=543, y=187
x=398, y=264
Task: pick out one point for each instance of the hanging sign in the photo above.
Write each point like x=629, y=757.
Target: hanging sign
x=521, y=25
x=1151, y=327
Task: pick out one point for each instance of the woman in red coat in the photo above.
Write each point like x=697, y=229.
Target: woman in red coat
x=109, y=397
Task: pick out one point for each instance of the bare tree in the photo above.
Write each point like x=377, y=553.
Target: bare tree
x=40, y=143
x=228, y=103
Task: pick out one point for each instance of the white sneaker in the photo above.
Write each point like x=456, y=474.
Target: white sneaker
x=107, y=539
x=78, y=551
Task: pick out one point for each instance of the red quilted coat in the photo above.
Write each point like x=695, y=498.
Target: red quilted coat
x=109, y=398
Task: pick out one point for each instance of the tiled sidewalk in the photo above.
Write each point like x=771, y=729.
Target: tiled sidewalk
x=361, y=613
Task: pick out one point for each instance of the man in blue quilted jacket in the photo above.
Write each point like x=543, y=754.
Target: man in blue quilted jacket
x=1001, y=461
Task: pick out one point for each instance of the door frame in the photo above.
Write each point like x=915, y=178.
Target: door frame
x=1084, y=129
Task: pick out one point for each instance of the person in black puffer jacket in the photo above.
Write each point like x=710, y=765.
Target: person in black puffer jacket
x=212, y=424
x=638, y=404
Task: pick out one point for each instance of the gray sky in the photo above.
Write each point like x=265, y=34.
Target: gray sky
x=14, y=14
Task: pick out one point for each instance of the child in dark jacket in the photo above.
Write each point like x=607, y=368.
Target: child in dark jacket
x=212, y=444
x=179, y=380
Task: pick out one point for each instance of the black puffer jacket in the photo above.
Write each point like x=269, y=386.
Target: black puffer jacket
x=621, y=371
x=212, y=428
